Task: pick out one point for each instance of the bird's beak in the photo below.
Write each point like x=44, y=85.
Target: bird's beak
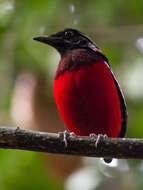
x=51, y=40
x=54, y=41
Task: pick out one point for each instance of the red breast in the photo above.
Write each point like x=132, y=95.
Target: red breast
x=88, y=100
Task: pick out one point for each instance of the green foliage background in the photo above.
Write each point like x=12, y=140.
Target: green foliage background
x=114, y=25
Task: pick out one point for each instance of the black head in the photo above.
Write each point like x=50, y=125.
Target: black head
x=67, y=39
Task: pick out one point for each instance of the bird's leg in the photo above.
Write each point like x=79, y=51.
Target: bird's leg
x=98, y=138
x=65, y=135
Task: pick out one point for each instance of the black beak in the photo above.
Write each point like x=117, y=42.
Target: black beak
x=52, y=40
x=46, y=39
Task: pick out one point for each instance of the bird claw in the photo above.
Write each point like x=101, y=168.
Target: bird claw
x=65, y=135
x=93, y=136
x=98, y=138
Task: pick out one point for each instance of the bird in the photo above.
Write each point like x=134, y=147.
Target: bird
x=87, y=93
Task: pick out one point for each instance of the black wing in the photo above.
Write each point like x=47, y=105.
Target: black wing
x=124, y=114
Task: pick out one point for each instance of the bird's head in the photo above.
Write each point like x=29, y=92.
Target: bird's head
x=68, y=39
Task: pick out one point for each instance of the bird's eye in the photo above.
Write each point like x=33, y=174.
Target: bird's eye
x=68, y=35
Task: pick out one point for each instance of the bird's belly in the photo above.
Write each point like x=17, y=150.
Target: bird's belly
x=88, y=101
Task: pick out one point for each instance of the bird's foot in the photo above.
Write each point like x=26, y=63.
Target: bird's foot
x=65, y=135
x=98, y=138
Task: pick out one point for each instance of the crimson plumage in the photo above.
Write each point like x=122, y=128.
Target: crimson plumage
x=87, y=99
x=86, y=91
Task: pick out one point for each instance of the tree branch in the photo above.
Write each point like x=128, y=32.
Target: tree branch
x=16, y=138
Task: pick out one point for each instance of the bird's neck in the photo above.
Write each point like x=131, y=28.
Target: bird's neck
x=75, y=58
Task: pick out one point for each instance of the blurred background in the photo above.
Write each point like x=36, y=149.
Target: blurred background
x=27, y=71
